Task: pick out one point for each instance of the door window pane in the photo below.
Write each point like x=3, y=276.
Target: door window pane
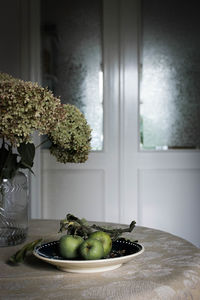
x=72, y=57
x=170, y=75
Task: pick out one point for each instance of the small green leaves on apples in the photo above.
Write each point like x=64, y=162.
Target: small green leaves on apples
x=105, y=239
x=69, y=245
x=91, y=249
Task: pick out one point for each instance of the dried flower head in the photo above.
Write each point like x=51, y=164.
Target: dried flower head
x=5, y=76
x=71, y=136
x=25, y=107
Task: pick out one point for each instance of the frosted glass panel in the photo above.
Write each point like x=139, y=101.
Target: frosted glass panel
x=72, y=57
x=170, y=75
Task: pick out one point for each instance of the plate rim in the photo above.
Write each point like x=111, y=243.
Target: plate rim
x=82, y=262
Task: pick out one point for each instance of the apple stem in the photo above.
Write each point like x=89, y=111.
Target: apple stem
x=116, y=232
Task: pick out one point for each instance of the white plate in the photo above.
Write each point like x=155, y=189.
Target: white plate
x=49, y=253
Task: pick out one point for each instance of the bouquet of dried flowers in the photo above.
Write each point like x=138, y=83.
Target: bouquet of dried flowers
x=26, y=107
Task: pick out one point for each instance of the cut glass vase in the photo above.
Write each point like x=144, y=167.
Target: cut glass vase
x=13, y=210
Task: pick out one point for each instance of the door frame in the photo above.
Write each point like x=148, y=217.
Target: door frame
x=33, y=26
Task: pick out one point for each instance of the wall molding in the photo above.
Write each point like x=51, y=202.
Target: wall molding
x=35, y=76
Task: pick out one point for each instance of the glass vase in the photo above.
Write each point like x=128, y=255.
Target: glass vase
x=13, y=210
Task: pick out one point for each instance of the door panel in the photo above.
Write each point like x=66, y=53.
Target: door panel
x=169, y=73
x=169, y=200
x=72, y=58
x=80, y=192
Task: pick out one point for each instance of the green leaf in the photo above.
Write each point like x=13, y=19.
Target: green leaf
x=27, y=153
x=23, y=165
x=3, y=156
x=21, y=254
x=11, y=166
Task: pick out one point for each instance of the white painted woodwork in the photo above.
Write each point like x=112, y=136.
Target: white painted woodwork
x=35, y=76
x=104, y=188
x=121, y=183
x=169, y=200
x=62, y=187
x=157, y=189
x=158, y=204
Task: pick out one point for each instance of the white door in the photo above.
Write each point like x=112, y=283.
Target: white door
x=122, y=182
x=163, y=185
x=91, y=190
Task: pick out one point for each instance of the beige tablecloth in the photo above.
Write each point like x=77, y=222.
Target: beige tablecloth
x=168, y=269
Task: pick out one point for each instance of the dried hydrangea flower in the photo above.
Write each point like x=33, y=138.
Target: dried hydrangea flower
x=24, y=108
x=68, y=156
x=5, y=76
x=71, y=136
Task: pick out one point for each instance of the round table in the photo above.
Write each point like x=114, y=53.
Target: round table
x=169, y=268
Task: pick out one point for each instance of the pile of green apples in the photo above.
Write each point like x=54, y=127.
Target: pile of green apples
x=98, y=245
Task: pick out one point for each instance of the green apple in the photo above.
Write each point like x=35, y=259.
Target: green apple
x=105, y=239
x=69, y=245
x=91, y=249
